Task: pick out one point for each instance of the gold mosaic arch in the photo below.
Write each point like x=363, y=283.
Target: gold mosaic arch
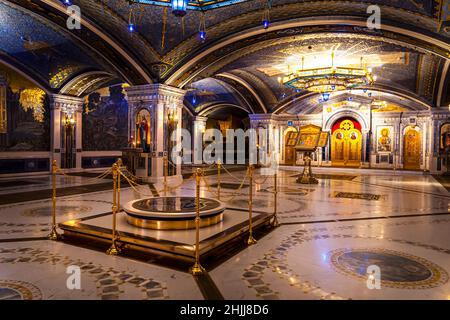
x=78, y=85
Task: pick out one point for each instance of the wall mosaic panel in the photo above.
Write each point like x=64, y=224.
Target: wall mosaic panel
x=105, y=121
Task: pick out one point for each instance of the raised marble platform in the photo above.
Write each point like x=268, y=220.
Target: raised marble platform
x=178, y=244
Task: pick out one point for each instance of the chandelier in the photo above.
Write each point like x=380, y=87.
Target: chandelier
x=180, y=7
x=328, y=79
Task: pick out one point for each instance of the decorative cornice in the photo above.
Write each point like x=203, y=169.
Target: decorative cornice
x=155, y=93
x=66, y=104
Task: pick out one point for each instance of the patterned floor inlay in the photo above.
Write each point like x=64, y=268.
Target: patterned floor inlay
x=228, y=185
x=18, y=290
x=398, y=269
x=330, y=176
x=111, y=283
x=46, y=211
x=358, y=196
x=290, y=191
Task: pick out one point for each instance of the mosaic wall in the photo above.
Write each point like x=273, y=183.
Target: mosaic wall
x=105, y=121
x=28, y=125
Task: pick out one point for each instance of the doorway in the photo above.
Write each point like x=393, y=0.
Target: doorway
x=346, y=143
x=411, y=149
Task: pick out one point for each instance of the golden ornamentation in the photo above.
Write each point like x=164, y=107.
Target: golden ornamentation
x=197, y=269
x=330, y=78
x=54, y=233
x=346, y=145
x=62, y=75
x=383, y=106
x=175, y=224
x=33, y=99
x=411, y=148
x=114, y=249
x=251, y=240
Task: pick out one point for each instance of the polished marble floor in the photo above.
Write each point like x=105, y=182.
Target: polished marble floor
x=329, y=235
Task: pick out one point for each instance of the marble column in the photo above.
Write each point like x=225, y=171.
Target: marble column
x=159, y=100
x=64, y=107
x=198, y=128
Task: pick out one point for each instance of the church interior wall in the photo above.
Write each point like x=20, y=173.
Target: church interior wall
x=383, y=137
x=25, y=142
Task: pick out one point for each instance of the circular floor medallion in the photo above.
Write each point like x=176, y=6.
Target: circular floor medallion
x=398, y=269
x=46, y=211
x=19, y=290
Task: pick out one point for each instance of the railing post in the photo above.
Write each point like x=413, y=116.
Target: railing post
x=114, y=250
x=54, y=233
x=250, y=240
x=197, y=269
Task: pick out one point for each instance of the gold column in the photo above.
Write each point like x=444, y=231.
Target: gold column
x=250, y=240
x=218, y=180
x=197, y=269
x=114, y=250
x=275, y=199
x=54, y=234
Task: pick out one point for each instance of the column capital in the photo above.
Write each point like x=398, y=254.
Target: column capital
x=155, y=93
x=67, y=104
x=200, y=119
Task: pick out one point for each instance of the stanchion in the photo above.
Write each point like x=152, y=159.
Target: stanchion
x=275, y=199
x=54, y=234
x=166, y=168
x=218, y=180
x=250, y=240
x=197, y=269
x=119, y=168
x=114, y=250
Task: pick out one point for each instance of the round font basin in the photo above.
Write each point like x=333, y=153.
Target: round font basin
x=173, y=213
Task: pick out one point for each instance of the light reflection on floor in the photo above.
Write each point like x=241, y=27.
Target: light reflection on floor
x=375, y=213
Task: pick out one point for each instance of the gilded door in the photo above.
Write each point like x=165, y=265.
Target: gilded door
x=411, y=149
x=346, y=145
x=289, y=151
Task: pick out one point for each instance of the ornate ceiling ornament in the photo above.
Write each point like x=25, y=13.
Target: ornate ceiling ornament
x=328, y=79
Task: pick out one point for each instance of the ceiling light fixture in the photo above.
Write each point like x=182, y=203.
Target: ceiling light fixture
x=328, y=79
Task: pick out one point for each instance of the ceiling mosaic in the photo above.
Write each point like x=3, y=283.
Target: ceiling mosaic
x=238, y=53
x=35, y=46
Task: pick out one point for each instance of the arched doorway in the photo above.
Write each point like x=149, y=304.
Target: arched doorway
x=412, y=145
x=346, y=143
x=290, y=140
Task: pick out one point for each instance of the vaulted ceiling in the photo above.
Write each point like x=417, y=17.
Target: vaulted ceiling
x=239, y=63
